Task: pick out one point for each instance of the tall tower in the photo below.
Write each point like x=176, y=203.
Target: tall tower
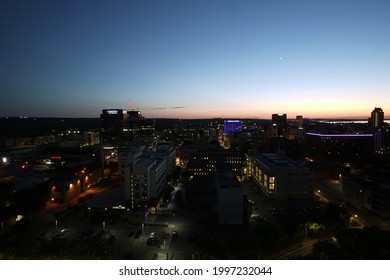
x=111, y=127
x=377, y=118
x=299, y=121
x=279, y=124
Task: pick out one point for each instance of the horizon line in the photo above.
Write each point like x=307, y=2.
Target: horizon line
x=201, y=118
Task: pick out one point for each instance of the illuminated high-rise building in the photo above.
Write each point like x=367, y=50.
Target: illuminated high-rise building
x=279, y=125
x=111, y=127
x=232, y=126
x=119, y=126
x=111, y=132
x=280, y=178
x=135, y=125
x=377, y=118
x=279, y=119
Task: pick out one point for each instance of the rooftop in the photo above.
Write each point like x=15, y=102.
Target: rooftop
x=145, y=161
x=275, y=161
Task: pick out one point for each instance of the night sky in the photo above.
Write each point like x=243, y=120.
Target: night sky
x=195, y=59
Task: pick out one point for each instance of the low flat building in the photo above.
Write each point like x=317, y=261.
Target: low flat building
x=340, y=147
x=279, y=177
x=202, y=163
x=67, y=187
x=328, y=170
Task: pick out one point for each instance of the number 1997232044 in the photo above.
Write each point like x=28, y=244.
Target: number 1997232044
x=242, y=270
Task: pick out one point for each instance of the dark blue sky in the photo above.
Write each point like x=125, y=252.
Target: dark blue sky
x=210, y=58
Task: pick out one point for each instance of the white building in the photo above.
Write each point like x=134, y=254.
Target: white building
x=128, y=154
x=169, y=153
x=145, y=175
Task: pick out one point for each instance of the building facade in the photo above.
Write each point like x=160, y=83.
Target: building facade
x=377, y=119
x=146, y=176
x=232, y=126
x=121, y=126
x=365, y=193
x=280, y=178
x=144, y=181
x=340, y=147
x=279, y=125
x=202, y=163
x=66, y=188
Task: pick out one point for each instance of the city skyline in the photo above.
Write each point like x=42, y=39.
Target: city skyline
x=195, y=59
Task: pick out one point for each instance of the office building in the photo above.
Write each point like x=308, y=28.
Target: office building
x=203, y=163
x=278, y=125
x=340, y=147
x=232, y=126
x=135, y=125
x=167, y=152
x=377, y=119
x=144, y=181
x=279, y=177
x=119, y=126
x=111, y=128
x=218, y=195
x=145, y=176
x=127, y=154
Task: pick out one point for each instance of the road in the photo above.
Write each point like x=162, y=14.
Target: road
x=300, y=249
x=331, y=191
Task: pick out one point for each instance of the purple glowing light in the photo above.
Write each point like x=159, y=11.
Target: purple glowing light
x=340, y=135
x=232, y=126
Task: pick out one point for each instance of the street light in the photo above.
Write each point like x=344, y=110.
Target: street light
x=104, y=225
x=56, y=224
